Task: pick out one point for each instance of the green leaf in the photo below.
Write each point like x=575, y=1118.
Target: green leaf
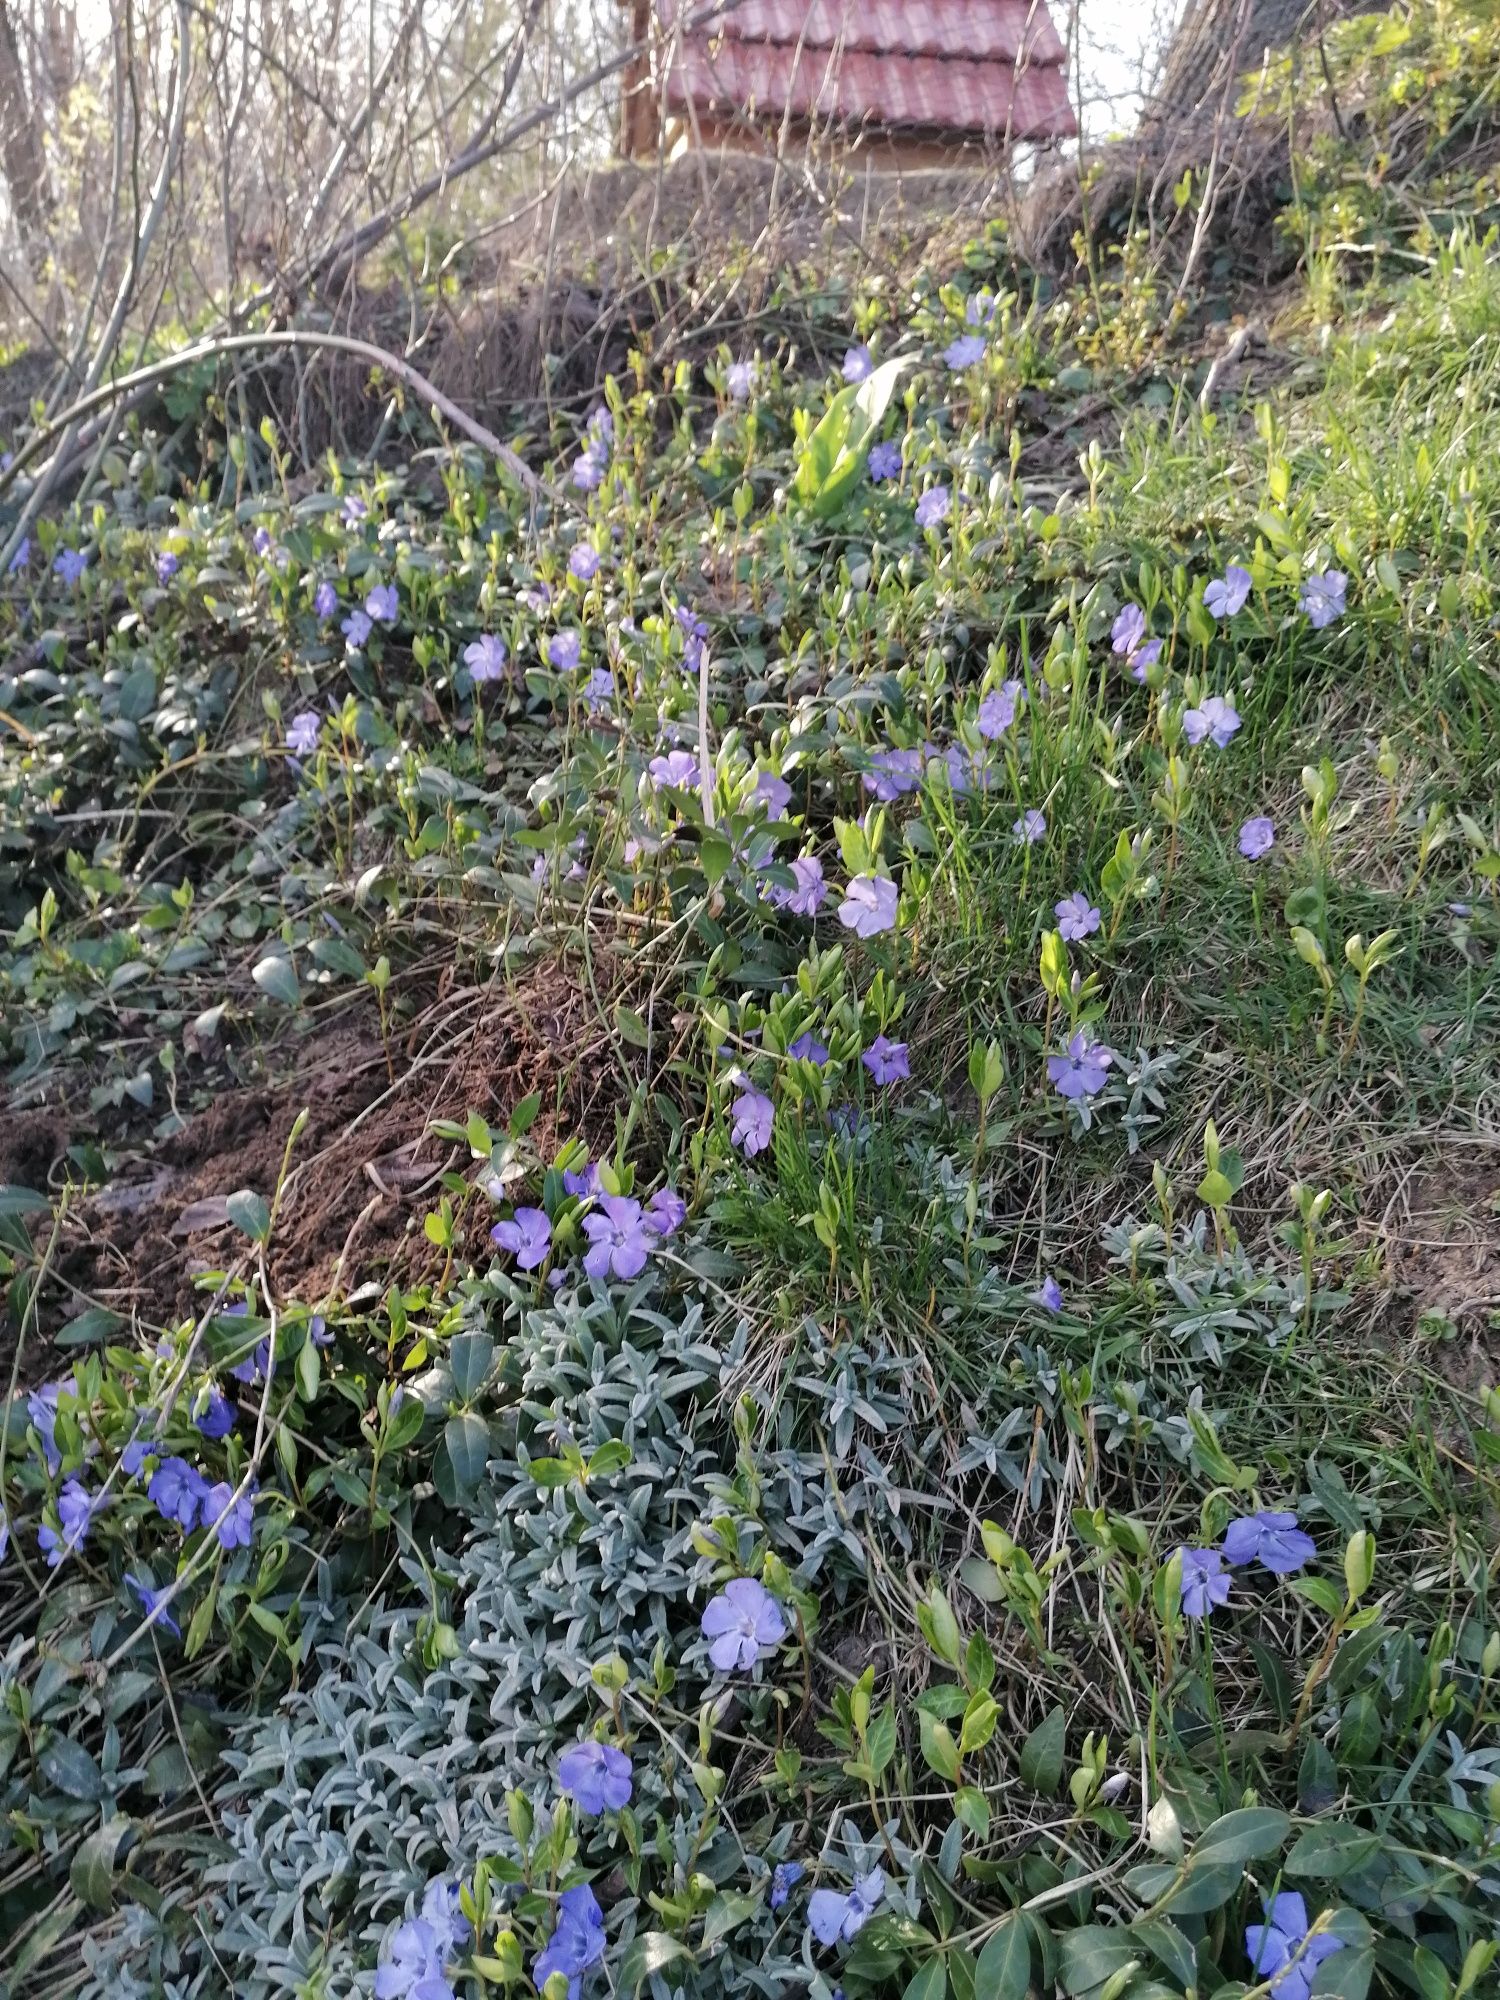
x=524, y=1116
x=334, y=955
x=1004, y=1968
x=1247, y=1835
x=249, y=1214
x=71, y=1769
x=1092, y=1955
x=1431, y=1974
x=928, y=1982
x=972, y=1809
x=467, y=1437
x=611, y=1457
x=938, y=1746
x=1168, y=1944
x=22, y=1201
x=469, y=1359
x=1346, y=1975
x=91, y=1876
x=1319, y=1591
x=630, y=1026
x=728, y=1910
x=1203, y=1888
x=979, y=1723
x=277, y=979
x=1042, y=1754
x=1331, y=1851
x=651, y=1952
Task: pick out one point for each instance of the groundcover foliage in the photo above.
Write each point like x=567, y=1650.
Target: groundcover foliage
x=928, y=1491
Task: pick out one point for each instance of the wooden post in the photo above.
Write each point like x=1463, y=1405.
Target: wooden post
x=639, y=111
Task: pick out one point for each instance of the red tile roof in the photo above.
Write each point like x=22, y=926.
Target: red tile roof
x=934, y=66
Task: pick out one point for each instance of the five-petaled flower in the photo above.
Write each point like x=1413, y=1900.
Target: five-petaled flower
x=486, y=658
x=619, y=1241
x=166, y=566
x=216, y=1418
x=1076, y=916
x=68, y=565
x=1029, y=828
x=325, y=600
x=677, y=767
x=964, y=351
x=858, y=363
x=754, y=1115
x=527, y=1234
x=1081, y=1071
x=1216, y=718
x=772, y=794
x=1128, y=629
x=784, y=1878
x=869, y=905
x=576, y=1943
x=892, y=774
x=1048, y=1295
x=933, y=506
x=739, y=380
x=1227, y=595
x=583, y=562
x=1205, y=1581
x=1322, y=598
x=153, y=1604
x=597, y=1775
x=383, y=605
x=806, y=897
x=999, y=709
x=665, y=1212
x=1281, y=1950
x=1270, y=1538
x=75, y=1510
x=565, y=650
x=807, y=1048
x=833, y=1917
x=885, y=459
x=303, y=732
x=743, y=1624
x=177, y=1490
x=886, y=1060
x=232, y=1520
x=1257, y=837
x=356, y=628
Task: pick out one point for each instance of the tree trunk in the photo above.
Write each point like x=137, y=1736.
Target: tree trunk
x=21, y=157
x=1219, y=40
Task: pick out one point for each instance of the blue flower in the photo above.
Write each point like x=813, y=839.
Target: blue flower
x=383, y=605
x=231, y=1520
x=886, y=1061
x=177, y=1491
x=583, y=562
x=753, y=1118
x=166, y=566
x=998, y=710
x=1281, y=1949
x=576, y=1943
x=739, y=380
x=1048, y=1295
x=807, y=1049
x=75, y=1509
x=589, y=469
x=41, y=1407
x=744, y=1624
x=666, y=1212
x=1322, y=598
x=784, y=1878
x=1272, y=1539
x=22, y=555
x=833, y=1917
x=528, y=1237
x=69, y=565
x=486, y=658
x=1205, y=1582
x=1228, y=595
x=1029, y=828
x=4, y=1533
x=1076, y=916
x=356, y=628
x=216, y=1418
x=303, y=733
x=325, y=600
x=152, y=1603
x=859, y=363
x=141, y=1445
x=414, y=1970
x=964, y=352
x=597, y=1775
x=565, y=650
x=933, y=506
x=885, y=460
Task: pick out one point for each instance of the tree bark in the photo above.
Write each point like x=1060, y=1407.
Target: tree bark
x=22, y=160
x=1217, y=40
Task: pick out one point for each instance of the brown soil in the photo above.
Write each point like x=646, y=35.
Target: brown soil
x=1446, y=1257
x=365, y=1169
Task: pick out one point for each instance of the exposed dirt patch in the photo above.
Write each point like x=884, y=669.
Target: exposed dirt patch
x=29, y=1143
x=1445, y=1250
x=366, y=1167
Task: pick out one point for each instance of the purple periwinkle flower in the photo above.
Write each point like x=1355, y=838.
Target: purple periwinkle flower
x=599, y=690
x=303, y=732
x=892, y=774
x=583, y=562
x=597, y=1775
x=177, y=1491
x=1205, y=1581
x=886, y=1060
x=619, y=1241
x=964, y=351
x=356, y=629
x=869, y=905
x=414, y=1968
x=527, y=1235
x=41, y=1407
x=141, y=1446
x=859, y=363
x=678, y=767
x=4, y=1533
x=256, y=1364
x=1272, y=1539
x=1216, y=719
x=589, y=469
x=1229, y=594
x=75, y=1510
x=885, y=460
x=1280, y=1949
x=743, y=1624
x=805, y=898
x=260, y=541
x=980, y=307
x=1128, y=629
x=1257, y=837
x=353, y=511
x=1076, y=916
x=153, y=1604
x=325, y=600
x=739, y=380
x=565, y=650
x=753, y=1116
x=167, y=566
x=1030, y=827
x=784, y=1878
x=442, y=1908
x=486, y=658
x=933, y=506
x=999, y=709
x=1048, y=1295
x=772, y=794
x=383, y=605
x=1322, y=598
x=576, y=1943
x=584, y=1182
x=833, y=1918
x=1145, y=655
x=232, y=1520
x=68, y=565
x=665, y=1213
x=807, y=1049
x=1082, y=1070
x=216, y=1418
